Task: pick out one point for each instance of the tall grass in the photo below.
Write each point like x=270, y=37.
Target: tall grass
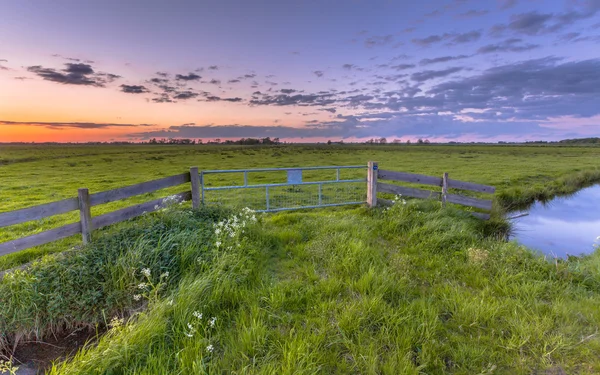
x=409, y=290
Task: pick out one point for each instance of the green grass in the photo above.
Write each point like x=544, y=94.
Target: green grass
x=40, y=174
x=414, y=289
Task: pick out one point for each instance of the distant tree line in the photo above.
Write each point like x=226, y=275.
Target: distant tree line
x=217, y=141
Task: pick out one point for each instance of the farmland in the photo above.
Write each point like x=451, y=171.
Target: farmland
x=413, y=289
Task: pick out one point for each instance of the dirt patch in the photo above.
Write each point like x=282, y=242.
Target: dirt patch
x=34, y=357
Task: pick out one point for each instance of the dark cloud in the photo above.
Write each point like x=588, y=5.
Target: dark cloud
x=249, y=76
x=162, y=98
x=332, y=110
x=473, y=13
x=188, y=77
x=162, y=74
x=184, y=95
x=133, y=89
x=401, y=57
x=536, y=23
x=234, y=81
x=21, y=78
x=287, y=91
x=379, y=40
x=431, y=74
x=450, y=38
x=409, y=30
x=441, y=59
x=348, y=66
x=318, y=73
x=323, y=99
x=215, y=81
x=213, y=98
x=79, y=125
x=159, y=81
x=74, y=74
x=402, y=66
x=509, y=45
x=213, y=67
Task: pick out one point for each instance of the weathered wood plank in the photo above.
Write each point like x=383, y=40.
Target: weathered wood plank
x=195, y=182
x=142, y=188
x=410, y=177
x=85, y=215
x=462, y=185
x=39, y=238
x=134, y=211
x=481, y=215
x=372, y=175
x=406, y=191
x=469, y=201
x=38, y=212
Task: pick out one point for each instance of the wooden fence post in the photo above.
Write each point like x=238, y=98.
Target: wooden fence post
x=85, y=215
x=195, y=180
x=444, y=188
x=372, y=184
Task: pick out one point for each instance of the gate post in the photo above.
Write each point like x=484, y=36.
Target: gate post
x=372, y=184
x=444, y=188
x=195, y=180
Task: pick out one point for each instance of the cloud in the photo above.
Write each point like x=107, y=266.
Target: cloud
x=536, y=23
x=441, y=59
x=348, y=66
x=162, y=74
x=287, y=91
x=402, y=67
x=133, y=89
x=379, y=40
x=74, y=74
x=234, y=81
x=506, y=4
x=188, y=77
x=213, y=98
x=79, y=125
x=184, y=95
x=473, y=13
x=322, y=99
x=318, y=73
x=451, y=38
x=213, y=67
x=215, y=81
x=509, y=45
x=431, y=74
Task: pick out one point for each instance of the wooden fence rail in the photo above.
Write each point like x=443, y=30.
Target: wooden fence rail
x=87, y=224
x=444, y=182
x=85, y=201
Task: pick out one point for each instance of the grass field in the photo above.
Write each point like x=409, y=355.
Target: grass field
x=410, y=290
x=39, y=174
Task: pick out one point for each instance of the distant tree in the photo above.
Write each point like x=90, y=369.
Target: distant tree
x=397, y=141
x=382, y=140
x=420, y=141
x=426, y=141
x=408, y=141
x=329, y=142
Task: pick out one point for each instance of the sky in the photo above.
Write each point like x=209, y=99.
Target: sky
x=302, y=71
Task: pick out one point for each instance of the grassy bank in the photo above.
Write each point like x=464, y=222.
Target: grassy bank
x=413, y=289
x=39, y=174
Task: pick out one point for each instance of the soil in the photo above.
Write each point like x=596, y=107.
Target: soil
x=34, y=357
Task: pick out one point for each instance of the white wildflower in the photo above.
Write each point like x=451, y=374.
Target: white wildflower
x=210, y=348
x=212, y=321
x=116, y=322
x=165, y=275
x=146, y=272
x=137, y=297
x=141, y=285
x=218, y=243
x=170, y=302
x=197, y=314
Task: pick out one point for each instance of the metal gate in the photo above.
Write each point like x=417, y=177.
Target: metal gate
x=280, y=189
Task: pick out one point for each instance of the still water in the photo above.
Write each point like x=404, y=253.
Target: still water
x=565, y=225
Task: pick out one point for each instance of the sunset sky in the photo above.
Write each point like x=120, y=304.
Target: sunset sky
x=446, y=70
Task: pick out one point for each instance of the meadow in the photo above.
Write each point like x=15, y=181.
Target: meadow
x=407, y=290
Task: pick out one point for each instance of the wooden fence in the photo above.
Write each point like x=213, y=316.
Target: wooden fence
x=84, y=201
x=445, y=183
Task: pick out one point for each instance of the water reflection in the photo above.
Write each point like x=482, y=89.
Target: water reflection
x=565, y=225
